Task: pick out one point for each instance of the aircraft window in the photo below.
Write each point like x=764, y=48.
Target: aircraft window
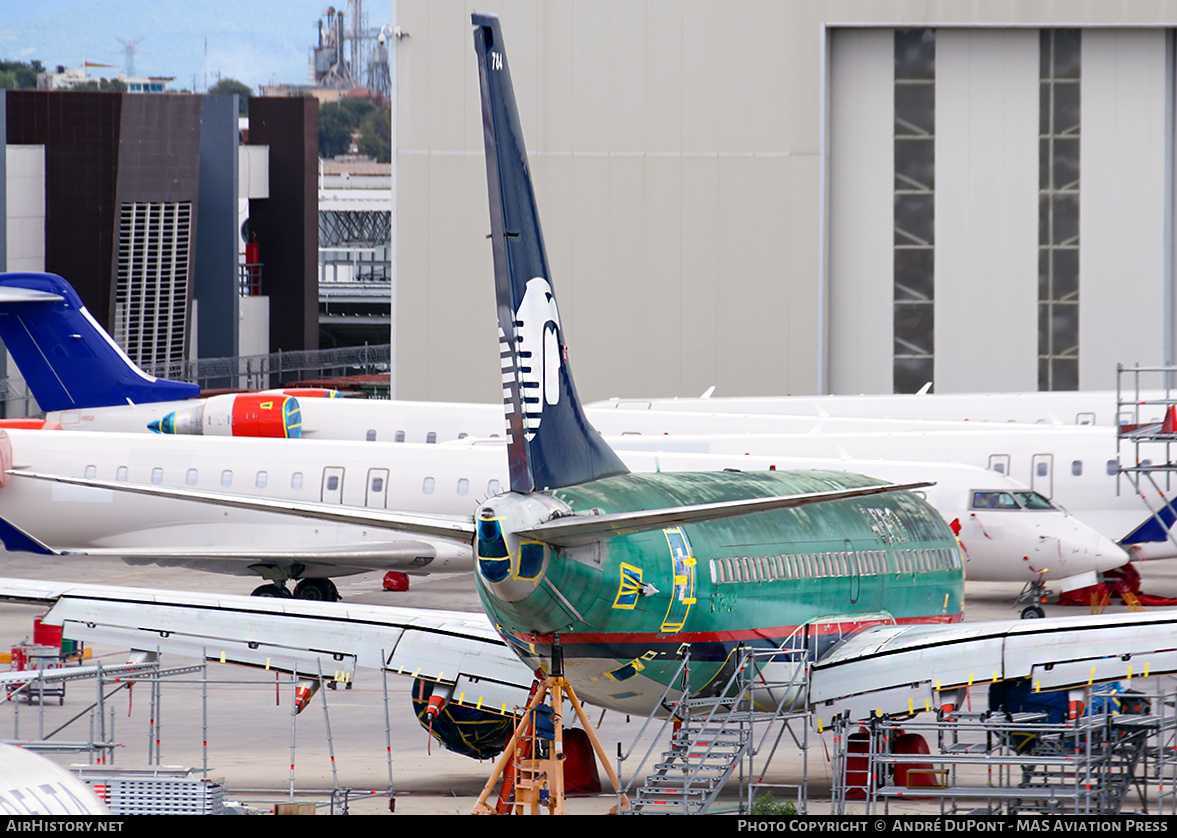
x=91, y=472
x=1033, y=500
x=994, y=500
x=157, y=475
x=261, y=479
x=333, y=483
x=296, y=480
x=190, y=476
x=370, y=436
x=493, y=488
x=1145, y=463
x=463, y=486
x=1112, y=468
x=1077, y=468
x=431, y=437
x=463, y=435
x=427, y=486
x=999, y=468
x=377, y=484
x=227, y=477
x=121, y=474
x=1041, y=469
x=400, y=436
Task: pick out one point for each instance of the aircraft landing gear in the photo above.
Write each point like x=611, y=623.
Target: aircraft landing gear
x=317, y=590
x=272, y=590
x=1035, y=594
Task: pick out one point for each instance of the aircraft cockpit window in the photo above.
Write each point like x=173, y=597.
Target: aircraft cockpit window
x=994, y=500
x=1033, y=500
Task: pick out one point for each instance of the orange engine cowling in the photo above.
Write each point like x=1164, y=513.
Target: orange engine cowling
x=264, y=415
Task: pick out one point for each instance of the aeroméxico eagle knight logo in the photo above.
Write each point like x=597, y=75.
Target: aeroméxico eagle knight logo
x=537, y=337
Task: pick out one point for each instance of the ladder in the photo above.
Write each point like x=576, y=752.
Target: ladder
x=704, y=750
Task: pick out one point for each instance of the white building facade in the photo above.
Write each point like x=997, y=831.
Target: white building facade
x=801, y=197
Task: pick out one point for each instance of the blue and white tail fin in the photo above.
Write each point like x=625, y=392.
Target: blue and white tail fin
x=66, y=358
x=551, y=443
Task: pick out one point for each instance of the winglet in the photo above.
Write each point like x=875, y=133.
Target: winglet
x=1155, y=527
x=551, y=443
x=68, y=360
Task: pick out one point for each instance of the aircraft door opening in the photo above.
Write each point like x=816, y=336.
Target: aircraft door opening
x=682, y=595
x=999, y=463
x=332, y=490
x=855, y=571
x=376, y=495
x=1042, y=474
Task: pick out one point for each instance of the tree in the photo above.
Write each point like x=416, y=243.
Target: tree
x=375, y=136
x=227, y=87
x=17, y=75
x=334, y=131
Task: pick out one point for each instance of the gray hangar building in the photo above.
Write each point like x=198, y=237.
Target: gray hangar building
x=800, y=197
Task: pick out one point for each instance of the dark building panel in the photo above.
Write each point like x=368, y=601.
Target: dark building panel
x=80, y=133
x=215, y=282
x=286, y=224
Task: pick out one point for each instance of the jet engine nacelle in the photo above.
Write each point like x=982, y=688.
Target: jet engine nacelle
x=241, y=414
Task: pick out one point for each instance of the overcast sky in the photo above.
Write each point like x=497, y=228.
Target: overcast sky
x=256, y=42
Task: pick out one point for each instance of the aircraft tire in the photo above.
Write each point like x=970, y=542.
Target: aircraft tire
x=317, y=590
x=1032, y=612
x=272, y=590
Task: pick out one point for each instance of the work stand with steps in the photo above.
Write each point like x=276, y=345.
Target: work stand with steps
x=710, y=739
x=996, y=763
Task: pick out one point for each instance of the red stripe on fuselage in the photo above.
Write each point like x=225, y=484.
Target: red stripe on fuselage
x=768, y=633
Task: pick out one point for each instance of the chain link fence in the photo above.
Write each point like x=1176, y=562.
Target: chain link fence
x=253, y=372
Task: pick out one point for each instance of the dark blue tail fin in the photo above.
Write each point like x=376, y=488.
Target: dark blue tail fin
x=68, y=360
x=551, y=444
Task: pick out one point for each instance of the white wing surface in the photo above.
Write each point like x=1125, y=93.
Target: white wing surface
x=450, y=647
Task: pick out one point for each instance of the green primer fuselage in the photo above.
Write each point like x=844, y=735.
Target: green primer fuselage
x=624, y=607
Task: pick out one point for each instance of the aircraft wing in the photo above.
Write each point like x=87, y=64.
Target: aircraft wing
x=458, y=528
x=897, y=669
x=311, y=638
x=395, y=554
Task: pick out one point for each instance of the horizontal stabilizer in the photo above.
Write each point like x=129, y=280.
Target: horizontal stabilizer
x=581, y=529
